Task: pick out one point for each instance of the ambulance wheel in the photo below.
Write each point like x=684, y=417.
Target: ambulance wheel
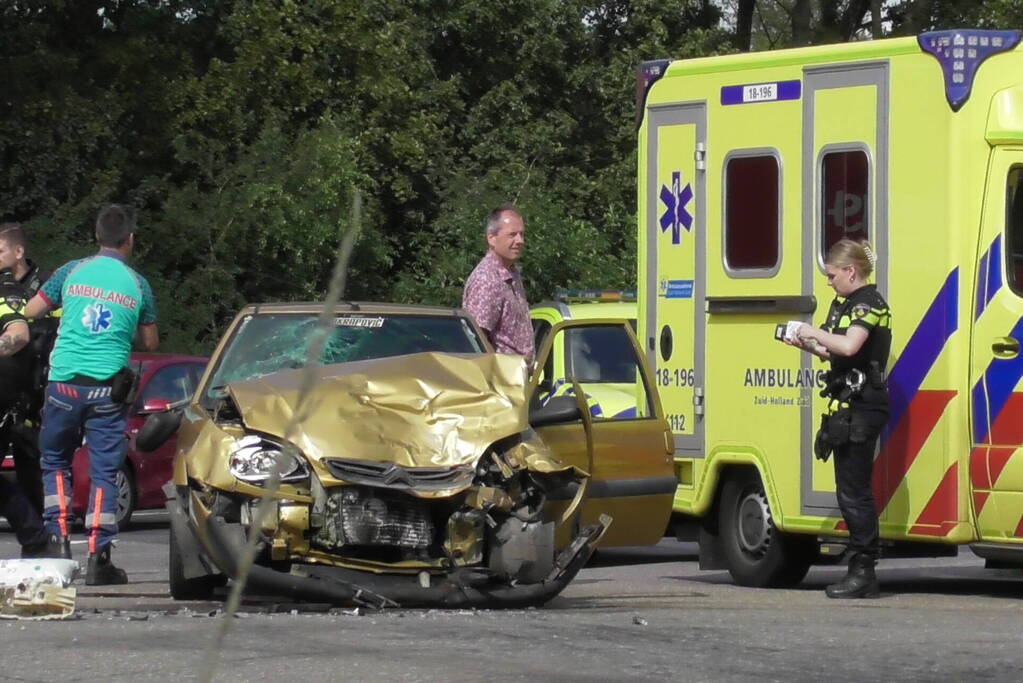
x=756, y=553
x=181, y=588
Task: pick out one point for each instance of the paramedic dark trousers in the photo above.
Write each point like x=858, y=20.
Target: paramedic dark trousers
x=69, y=409
x=854, y=464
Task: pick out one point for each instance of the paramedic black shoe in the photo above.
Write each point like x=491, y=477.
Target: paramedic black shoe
x=860, y=582
x=102, y=572
x=54, y=546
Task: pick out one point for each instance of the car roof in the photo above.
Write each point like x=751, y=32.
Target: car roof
x=624, y=310
x=158, y=359
x=352, y=307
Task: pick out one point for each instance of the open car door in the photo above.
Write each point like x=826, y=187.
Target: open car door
x=621, y=438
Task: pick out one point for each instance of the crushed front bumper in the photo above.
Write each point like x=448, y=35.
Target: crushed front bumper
x=460, y=588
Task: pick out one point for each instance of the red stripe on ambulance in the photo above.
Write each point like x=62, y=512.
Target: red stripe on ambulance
x=1008, y=427
x=987, y=462
x=940, y=514
x=905, y=441
x=979, y=498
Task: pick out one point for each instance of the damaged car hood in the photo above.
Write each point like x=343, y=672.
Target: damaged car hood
x=420, y=410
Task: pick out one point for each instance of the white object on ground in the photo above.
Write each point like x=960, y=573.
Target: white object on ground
x=37, y=588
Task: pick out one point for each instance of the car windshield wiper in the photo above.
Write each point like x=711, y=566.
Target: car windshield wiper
x=218, y=392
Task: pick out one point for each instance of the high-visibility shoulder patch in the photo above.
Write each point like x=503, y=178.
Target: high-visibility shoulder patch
x=865, y=315
x=11, y=305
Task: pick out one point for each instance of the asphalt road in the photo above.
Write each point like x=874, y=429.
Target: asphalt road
x=637, y=613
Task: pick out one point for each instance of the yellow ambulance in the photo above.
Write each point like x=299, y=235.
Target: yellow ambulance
x=750, y=167
x=597, y=356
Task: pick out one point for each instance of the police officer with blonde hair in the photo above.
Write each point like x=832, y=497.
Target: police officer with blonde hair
x=856, y=338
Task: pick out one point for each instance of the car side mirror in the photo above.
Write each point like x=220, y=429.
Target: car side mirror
x=557, y=410
x=157, y=429
x=154, y=405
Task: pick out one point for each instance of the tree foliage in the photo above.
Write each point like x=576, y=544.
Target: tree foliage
x=241, y=129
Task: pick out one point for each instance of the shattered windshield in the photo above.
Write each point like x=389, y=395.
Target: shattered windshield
x=267, y=343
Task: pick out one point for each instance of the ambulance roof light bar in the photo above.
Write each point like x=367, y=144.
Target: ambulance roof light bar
x=960, y=53
x=647, y=74
x=594, y=295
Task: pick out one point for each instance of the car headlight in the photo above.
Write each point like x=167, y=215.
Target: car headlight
x=254, y=458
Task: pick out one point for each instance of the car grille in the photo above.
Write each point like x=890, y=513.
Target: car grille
x=389, y=475
x=355, y=516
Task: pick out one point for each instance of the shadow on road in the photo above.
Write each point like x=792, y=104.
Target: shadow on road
x=976, y=585
x=149, y=522
x=665, y=551
x=973, y=581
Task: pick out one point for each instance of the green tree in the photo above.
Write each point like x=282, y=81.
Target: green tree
x=239, y=129
x=918, y=16
x=268, y=230
x=549, y=125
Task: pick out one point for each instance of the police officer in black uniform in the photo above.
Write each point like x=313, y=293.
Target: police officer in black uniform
x=14, y=335
x=857, y=339
x=22, y=434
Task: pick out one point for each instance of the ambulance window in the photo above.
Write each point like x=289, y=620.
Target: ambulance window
x=752, y=215
x=844, y=201
x=1014, y=228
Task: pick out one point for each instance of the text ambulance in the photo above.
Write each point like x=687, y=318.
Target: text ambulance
x=750, y=167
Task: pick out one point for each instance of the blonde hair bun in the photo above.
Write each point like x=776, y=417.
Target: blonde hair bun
x=847, y=252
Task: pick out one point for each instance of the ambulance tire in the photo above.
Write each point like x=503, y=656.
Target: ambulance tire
x=756, y=553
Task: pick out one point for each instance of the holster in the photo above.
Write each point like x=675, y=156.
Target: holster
x=821, y=447
x=123, y=386
x=839, y=427
x=860, y=430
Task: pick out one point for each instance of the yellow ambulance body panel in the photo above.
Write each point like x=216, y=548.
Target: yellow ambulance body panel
x=598, y=362
x=750, y=167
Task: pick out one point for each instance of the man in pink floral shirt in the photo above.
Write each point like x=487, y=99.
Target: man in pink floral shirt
x=494, y=294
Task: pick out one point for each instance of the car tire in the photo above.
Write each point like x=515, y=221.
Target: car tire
x=181, y=588
x=756, y=553
x=127, y=497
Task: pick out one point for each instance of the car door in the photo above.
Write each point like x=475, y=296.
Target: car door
x=622, y=438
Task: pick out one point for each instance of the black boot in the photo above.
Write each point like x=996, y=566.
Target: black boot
x=860, y=582
x=54, y=546
x=102, y=572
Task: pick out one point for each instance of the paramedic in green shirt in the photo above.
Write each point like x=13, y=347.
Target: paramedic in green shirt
x=105, y=303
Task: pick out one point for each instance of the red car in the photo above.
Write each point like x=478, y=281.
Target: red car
x=165, y=378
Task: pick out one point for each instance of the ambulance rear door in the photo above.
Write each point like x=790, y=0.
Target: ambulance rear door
x=675, y=266
x=845, y=190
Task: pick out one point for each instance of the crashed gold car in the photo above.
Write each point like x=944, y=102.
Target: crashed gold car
x=416, y=467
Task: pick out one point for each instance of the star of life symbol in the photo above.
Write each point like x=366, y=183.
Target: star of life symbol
x=96, y=318
x=675, y=215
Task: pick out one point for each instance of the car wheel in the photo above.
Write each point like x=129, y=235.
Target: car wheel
x=126, y=497
x=181, y=588
x=757, y=554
